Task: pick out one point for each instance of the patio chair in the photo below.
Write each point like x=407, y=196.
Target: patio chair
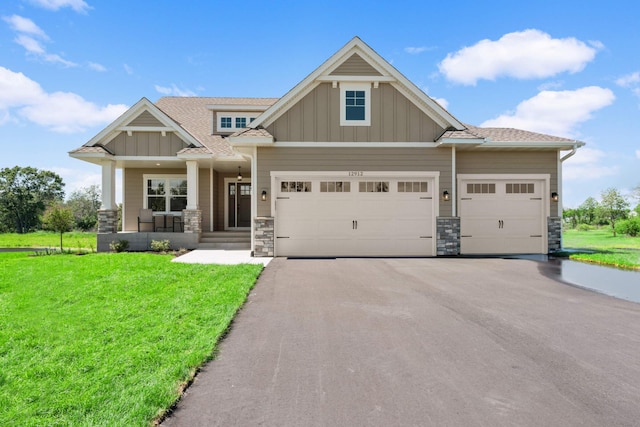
x=146, y=217
x=178, y=222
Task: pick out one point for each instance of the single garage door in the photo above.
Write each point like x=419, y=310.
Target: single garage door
x=338, y=215
x=503, y=215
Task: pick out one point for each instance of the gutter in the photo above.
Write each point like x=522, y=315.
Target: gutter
x=571, y=153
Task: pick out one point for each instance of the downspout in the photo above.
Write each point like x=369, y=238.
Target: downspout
x=454, y=200
x=254, y=196
x=561, y=193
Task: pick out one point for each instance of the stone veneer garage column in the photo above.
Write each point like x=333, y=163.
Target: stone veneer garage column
x=554, y=233
x=264, y=237
x=448, y=236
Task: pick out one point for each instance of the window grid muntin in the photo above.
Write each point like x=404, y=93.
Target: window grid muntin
x=241, y=122
x=335, y=186
x=225, y=122
x=355, y=104
x=520, y=188
x=413, y=187
x=481, y=188
x=373, y=186
x=166, y=192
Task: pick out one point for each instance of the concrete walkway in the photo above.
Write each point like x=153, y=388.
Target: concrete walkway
x=219, y=256
x=420, y=342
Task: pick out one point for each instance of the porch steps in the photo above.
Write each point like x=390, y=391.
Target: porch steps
x=225, y=240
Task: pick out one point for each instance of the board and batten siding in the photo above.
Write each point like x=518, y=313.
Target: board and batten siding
x=511, y=162
x=316, y=118
x=146, y=144
x=352, y=159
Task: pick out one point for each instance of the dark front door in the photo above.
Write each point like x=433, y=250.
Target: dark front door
x=239, y=214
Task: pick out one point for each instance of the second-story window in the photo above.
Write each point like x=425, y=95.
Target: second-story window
x=241, y=122
x=225, y=122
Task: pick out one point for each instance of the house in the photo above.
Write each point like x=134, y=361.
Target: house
x=355, y=160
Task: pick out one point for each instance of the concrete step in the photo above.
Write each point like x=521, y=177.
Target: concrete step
x=225, y=240
x=225, y=245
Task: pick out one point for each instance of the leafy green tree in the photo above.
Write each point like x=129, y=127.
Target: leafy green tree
x=570, y=216
x=613, y=207
x=84, y=204
x=25, y=193
x=588, y=210
x=58, y=218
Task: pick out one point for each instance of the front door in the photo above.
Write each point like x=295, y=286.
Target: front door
x=239, y=205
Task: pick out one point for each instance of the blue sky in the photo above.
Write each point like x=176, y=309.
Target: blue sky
x=567, y=68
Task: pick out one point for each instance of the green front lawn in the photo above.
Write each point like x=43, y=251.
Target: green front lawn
x=602, y=248
x=48, y=239
x=107, y=339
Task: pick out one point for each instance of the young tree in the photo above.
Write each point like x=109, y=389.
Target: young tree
x=588, y=211
x=24, y=195
x=58, y=218
x=613, y=207
x=84, y=204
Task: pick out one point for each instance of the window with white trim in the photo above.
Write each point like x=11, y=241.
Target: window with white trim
x=355, y=104
x=225, y=122
x=233, y=121
x=165, y=194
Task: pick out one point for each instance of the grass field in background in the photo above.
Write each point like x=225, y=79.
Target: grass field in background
x=48, y=239
x=107, y=339
x=603, y=248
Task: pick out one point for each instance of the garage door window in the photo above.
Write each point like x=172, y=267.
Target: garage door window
x=295, y=187
x=335, y=186
x=481, y=188
x=374, y=187
x=412, y=187
x=520, y=188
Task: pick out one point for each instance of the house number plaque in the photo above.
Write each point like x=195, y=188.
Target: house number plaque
x=356, y=173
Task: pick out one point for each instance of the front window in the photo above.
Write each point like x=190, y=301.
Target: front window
x=355, y=104
x=241, y=122
x=166, y=194
x=225, y=122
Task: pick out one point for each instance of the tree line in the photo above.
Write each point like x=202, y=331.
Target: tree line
x=613, y=210
x=33, y=199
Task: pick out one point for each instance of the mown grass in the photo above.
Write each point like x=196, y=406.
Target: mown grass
x=48, y=239
x=107, y=339
x=602, y=248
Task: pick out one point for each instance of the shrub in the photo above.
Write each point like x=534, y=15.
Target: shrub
x=119, y=245
x=630, y=227
x=160, y=245
x=584, y=227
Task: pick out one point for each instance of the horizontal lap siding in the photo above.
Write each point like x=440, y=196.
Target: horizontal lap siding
x=145, y=119
x=349, y=159
x=510, y=162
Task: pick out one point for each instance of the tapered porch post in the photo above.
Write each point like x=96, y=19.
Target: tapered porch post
x=192, y=215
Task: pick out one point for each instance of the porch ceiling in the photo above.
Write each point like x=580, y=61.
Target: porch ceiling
x=226, y=165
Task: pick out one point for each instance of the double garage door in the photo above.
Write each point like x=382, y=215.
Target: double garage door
x=355, y=214
x=503, y=215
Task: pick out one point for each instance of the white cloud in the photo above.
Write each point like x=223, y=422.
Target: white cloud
x=528, y=54
x=555, y=112
x=24, y=25
x=629, y=80
x=77, y=5
x=97, y=67
x=638, y=154
x=174, y=90
x=443, y=102
x=63, y=112
x=416, y=50
x=587, y=164
x=128, y=69
x=29, y=37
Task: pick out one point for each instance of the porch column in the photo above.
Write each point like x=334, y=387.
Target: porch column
x=192, y=185
x=192, y=216
x=108, y=212
x=109, y=185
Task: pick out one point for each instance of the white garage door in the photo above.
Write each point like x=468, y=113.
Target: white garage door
x=503, y=216
x=342, y=215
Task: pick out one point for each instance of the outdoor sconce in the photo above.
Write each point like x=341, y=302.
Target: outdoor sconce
x=264, y=195
x=554, y=196
x=239, y=174
x=445, y=195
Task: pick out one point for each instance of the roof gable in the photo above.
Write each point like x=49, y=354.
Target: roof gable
x=356, y=61
x=142, y=116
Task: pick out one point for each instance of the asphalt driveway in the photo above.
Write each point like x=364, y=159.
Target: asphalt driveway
x=420, y=342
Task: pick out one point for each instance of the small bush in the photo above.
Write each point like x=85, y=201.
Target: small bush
x=119, y=245
x=585, y=227
x=630, y=227
x=160, y=245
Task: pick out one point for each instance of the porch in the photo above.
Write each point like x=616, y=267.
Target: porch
x=141, y=241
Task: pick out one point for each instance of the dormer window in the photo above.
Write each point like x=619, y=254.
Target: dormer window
x=229, y=122
x=355, y=104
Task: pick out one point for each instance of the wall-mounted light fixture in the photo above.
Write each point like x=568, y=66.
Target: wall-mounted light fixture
x=554, y=196
x=264, y=195
x=445, y=195
x=239, y=174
